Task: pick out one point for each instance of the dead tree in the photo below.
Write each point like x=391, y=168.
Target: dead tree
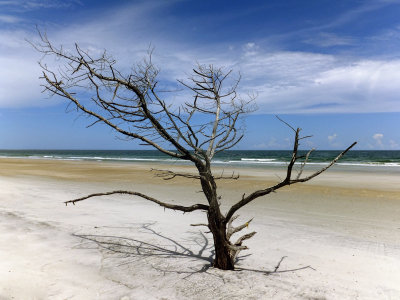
x=133, y=106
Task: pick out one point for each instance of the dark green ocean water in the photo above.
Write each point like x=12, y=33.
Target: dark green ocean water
x=234, y=157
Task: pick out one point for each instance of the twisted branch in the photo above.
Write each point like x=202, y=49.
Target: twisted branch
x=288, y=180
x=236, y=247
x=168, y=175
x=163, y=204
x=232, y=230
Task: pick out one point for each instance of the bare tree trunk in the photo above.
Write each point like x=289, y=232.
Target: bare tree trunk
x=216, y=221
x=223, y=259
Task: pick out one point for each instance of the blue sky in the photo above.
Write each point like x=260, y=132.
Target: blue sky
x=329, y=67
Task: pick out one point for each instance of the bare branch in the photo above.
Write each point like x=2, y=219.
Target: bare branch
x=163, y=204
x=279, y=263
x=232, y=230
x=304, y=163
x=326, y=168
x=168, y=174
x=235, y=250
x=206, y=225
x=285, y=182
x=245, y=237
x=290, y=126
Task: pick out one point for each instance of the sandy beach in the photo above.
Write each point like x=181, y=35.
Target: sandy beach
x=339, y=235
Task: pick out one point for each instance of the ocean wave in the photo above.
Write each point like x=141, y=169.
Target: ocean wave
x=250, y=161
x=258, y=159
x=101, y=158
x=277, y=162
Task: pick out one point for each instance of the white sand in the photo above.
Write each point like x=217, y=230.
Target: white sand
x=124, y=248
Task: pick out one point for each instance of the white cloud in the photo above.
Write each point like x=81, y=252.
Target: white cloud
x=249, y=46
x=333, y=141
x=286, y=81
x=9, y=19
x=358, y=12
x=378, y=139
x=325, y=39
x=314, y=83
x=332, y=137
x=28, y=5
x=19, y=84
x=250, y=49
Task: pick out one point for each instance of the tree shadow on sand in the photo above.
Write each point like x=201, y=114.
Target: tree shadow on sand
x=133, y=249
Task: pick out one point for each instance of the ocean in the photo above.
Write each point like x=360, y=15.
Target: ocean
x=246, y=158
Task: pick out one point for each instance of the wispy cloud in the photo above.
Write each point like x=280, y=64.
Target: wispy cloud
x=321, y=32
x=357, y=12
x=28, y=5
x=325, y=39
x=286, y=81
x=9, y=19
x=301, y=82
